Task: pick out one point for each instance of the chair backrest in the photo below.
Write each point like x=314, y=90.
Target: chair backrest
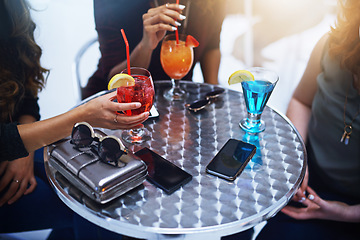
x=84, y=65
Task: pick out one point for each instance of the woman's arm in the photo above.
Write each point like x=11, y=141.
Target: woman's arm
x=299, y=108
x=210, y=63
x=21, y=170
x=99, y=112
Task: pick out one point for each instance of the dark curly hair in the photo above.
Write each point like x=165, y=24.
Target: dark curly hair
x=344, y=41
x=20, y=69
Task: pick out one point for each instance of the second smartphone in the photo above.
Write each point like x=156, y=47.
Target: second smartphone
x=163, y=173
x=231, y=160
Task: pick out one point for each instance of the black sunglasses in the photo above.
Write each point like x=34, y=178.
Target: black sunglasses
x=109, y=149
x=200, y=104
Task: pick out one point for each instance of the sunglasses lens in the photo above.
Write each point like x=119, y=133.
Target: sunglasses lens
x=214, y=93
x=109, y=150
x=81, y=136
x=198, y=105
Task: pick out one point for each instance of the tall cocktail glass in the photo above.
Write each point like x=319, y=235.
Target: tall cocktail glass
x=176, y=60
x=143, y=92
x=256, y=94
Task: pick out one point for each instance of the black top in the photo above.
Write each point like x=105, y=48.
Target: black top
x=11, y=145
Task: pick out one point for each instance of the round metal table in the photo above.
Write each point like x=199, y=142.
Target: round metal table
x=207, y=206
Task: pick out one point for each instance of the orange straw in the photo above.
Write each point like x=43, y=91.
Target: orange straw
x=127, y=50
x=177, y=32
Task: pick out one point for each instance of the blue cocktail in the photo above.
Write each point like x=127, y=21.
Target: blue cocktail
x=256, y=94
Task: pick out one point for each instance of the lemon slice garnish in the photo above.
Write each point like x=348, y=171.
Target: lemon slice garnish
x=121, y=80
x=240, y=76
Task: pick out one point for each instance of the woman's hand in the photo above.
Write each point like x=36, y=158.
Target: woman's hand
x=103, y=112
x=317, y=208
x=159, y=20
x=300, y=194
x=18, y=177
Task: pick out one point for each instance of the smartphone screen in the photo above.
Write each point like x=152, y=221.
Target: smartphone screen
x=231, y=160
x=163, y=173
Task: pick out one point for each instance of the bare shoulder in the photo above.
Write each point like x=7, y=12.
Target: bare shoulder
x=319, y=47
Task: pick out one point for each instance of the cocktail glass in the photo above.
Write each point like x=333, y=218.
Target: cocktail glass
x=143, y=92
x=176, y=60
x=256, y=95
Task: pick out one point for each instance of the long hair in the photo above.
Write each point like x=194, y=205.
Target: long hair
x=20, y=69
x=344, y=40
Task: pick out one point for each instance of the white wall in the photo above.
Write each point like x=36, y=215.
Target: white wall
x=62, y=27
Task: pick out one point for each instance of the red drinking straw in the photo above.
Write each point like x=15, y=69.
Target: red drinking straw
x=176, y=31
x=127, y=50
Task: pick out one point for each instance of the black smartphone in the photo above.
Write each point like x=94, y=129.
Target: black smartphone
x=163, y=173
x=231, y=160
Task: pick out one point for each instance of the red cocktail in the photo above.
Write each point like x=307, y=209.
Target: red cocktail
x=143, y=92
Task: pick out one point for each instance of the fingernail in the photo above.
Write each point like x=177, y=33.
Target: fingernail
x=181, y=6
x=137, y=105
x=302, y=200
x=304, y=192
x=173, y=28
x=177, y=23
x=182, y=17
x=147, y=114
x=311, y=197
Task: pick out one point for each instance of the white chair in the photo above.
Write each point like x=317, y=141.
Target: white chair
x=84, y=65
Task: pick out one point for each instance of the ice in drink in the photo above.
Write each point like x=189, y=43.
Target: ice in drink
x=176, y=59
x=142, y=92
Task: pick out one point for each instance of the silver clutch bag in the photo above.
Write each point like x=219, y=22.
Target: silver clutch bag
x=101, y=181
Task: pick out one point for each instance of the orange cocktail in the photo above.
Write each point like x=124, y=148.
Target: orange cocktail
x=176, y=57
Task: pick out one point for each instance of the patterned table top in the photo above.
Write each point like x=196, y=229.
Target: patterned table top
x=207, y=206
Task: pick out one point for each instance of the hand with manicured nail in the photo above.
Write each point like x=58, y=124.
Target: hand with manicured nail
x=318, y=208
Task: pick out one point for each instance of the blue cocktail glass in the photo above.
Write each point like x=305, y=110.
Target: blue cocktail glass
x=256, y=95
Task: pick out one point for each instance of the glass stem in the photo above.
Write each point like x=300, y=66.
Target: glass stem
x=136, y=131
x=175, y=84
x=175, y=93
x=254, y=119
